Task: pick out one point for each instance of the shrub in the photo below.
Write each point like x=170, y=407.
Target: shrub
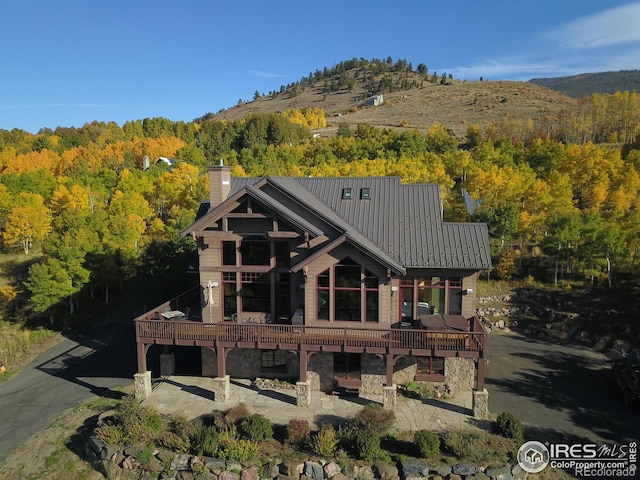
x=478, y=446
x=110, y=434
x=207, y=442
x=257, y=428
x=374, y=418
x=298, y=432
x=230, y=447
x=427, y=442
x=325, y=441
x=508, y=426
x=174, y=442
x=367, y=445
x=236, y=414
x=139, y=424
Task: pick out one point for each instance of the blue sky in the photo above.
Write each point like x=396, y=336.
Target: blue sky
x=68, y=62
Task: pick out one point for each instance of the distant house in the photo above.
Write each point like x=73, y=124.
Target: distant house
x=374, y=101
x=354, y=283
x=168, y=161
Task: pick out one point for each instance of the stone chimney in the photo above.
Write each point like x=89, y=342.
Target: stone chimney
x=219, y=184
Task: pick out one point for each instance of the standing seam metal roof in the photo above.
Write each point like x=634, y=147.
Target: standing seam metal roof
x=403, y=222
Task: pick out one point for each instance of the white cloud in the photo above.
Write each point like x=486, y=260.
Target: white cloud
x=259, y=73
x=617, y=26
x=602, y=42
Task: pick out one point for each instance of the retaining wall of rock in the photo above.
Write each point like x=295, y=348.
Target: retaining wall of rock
x=120, y=463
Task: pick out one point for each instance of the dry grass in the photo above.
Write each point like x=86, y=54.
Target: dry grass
x=455, y=106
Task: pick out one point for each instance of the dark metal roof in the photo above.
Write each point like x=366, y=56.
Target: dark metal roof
x=399, y=224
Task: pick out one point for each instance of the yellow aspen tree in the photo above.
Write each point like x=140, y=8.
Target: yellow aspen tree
x=27, y=222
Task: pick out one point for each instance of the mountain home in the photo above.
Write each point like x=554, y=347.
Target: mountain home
x=354, y=283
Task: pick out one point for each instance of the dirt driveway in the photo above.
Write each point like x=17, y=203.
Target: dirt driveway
x=562, y=392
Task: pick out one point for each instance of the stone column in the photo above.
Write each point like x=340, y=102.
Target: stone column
x=167, y=364
x=389, y=397
x=221, y=389
x=142, y=385
x=303, y=394
x=481, y=404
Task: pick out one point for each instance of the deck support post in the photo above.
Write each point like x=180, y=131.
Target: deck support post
x=390, y=361
x=142, y=385
x=389, y=394
x=221, y=389
x=141, y=353
x=221, y=357
x=303, y=394
x=480, y=408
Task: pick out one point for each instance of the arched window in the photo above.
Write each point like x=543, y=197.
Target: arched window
x=347, y=292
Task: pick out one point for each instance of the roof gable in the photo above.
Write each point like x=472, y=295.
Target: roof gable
x=399, y=225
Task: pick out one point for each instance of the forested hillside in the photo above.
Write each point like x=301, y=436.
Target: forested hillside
x=579, y=86
x=560, y=193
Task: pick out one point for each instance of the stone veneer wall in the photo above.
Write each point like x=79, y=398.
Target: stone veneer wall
x=245, y=363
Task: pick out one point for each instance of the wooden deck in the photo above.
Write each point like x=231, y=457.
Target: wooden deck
x=294, y=337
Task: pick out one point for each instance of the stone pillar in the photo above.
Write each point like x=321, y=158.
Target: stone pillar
x=389, y=397
x=167, y=364
x=221, y=389
x=480, y=404
x=142, y=385
x=303, y=394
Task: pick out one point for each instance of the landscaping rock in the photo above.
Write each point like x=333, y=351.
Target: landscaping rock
x=495, y=471
x=181, y=462
x=385, y=471
x=292, y=469
x=351, y=471
x=96, y=445
x=365, y=472
x=414, y=467
x=313, y=470
x=110, y=451
x=250, y=473
x=442, y=470
x=331, y=469
x=216, y=465
x=227, y=475
x=463, y=469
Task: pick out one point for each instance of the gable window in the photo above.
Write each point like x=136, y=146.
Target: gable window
x=255, y=251
x=347, y=292
x=229, y=253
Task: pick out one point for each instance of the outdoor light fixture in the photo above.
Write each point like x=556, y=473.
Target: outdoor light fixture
x=394, y=289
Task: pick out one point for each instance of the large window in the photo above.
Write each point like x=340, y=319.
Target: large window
x=265, y=289
x=430, y=295
x=230, y=303
x=347, y=292
x=255, y=251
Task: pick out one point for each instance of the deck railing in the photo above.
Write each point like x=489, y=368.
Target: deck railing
x=178, y=332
